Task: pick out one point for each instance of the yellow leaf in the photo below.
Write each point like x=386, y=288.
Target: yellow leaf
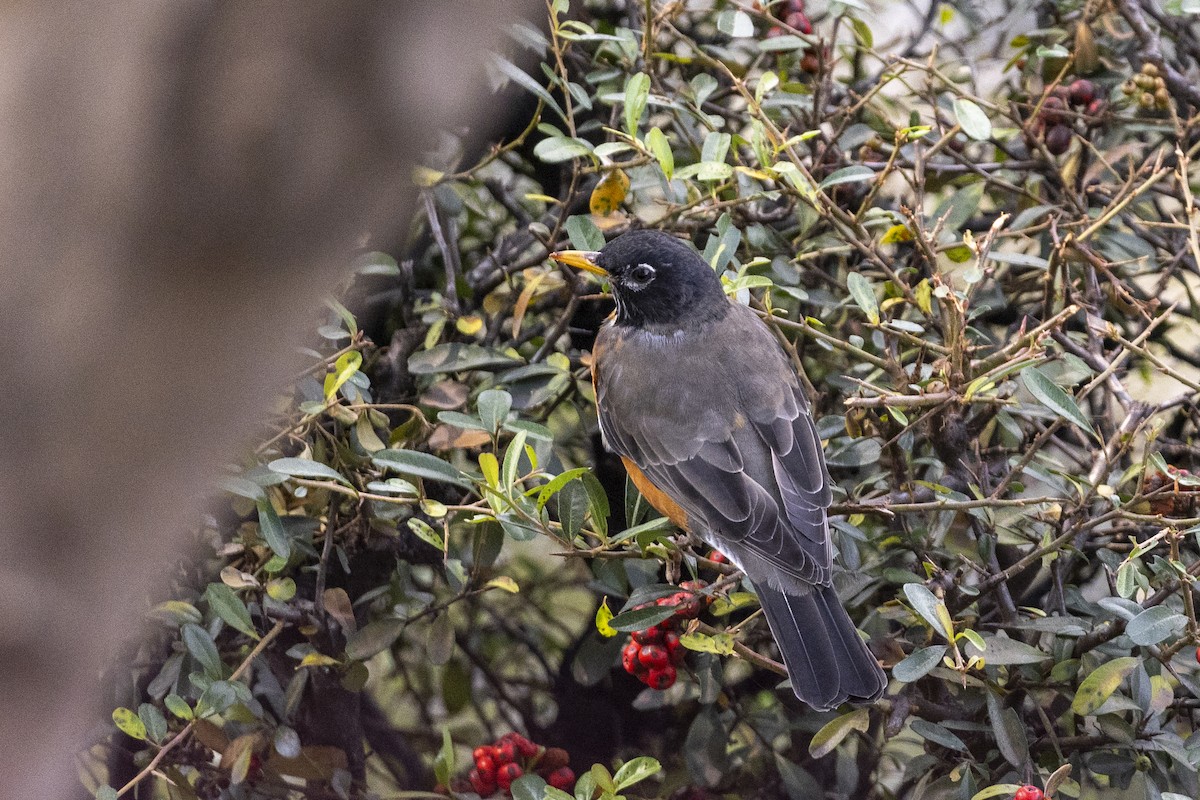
x=897, y=233
x=469, y=325
x=343, y=369
x=426, y=177
x=504, y=582
x=603, y=616
x=609, y=193
x=924, y=293
x=318, y=660
x=830, y=736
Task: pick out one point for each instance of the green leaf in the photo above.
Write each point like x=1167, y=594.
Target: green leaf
x=1009, y=732
x=657, y=144
x=855, y=174
x=178, y=706
x=529, y=787
x=1049, y=394
x=229, y=607
x=639, y=619
x=129, y=723
x=270, y=526
x=636, y=771
x=705, y=750
x=519, y=76
x=106, y=792
x=583, y=232
x=374, y=637
x=925, y=603
x=343, y=369
x=864, y=295
x=421, y=465
x=306, y=468
x=938, y=734
x=1101, y=683
x=493, y=406
x=918, y=664
x=202, y=648
x=1003, y=790
x=833, y=732
x=1003, y=651
x=556, y=149
x=571, y=504
x=458, y=357
x=443, y=765
x=1155, y=625
x=155, y=722
x=637, y=93
x=972, y=119
x=556, y=484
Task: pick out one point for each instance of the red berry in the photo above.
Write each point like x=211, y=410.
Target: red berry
x=1198, y=655
x=483, y=784
x=718, y=556
x=653, y=656
x=1028, y=793
x=507, y=774
x=629, y=657
x=482, y=752
x=687, y=605
x=1082, y=92
x=662, y=678
x=486, y=765
x=506, y=752
x=652, y=635
x=562, y=778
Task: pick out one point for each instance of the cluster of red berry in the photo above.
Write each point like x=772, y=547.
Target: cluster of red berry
x=499, y=764
x=1055, y=118
x=654, y=655
x=1028, y=793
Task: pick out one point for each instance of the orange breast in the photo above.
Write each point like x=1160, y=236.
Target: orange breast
x=655, y=496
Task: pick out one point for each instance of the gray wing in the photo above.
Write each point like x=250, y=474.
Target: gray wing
x=742, y=457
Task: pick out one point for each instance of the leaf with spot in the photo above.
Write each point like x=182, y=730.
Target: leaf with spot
x=1098, y=686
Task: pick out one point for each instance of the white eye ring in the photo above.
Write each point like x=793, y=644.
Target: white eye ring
x=642, y=273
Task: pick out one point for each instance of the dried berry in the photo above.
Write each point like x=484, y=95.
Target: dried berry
x=554, y=758
x=1058, y=139
x=1054, y=110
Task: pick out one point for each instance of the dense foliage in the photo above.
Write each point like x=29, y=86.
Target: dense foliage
x=987, y=272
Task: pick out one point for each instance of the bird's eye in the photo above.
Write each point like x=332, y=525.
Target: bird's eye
x=642, y=273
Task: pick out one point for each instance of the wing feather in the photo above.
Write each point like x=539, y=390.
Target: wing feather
x=743, y=460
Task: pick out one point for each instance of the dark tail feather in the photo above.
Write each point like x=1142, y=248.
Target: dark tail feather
x=826, y=659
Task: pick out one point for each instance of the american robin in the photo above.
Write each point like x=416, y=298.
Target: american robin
x=703, y=407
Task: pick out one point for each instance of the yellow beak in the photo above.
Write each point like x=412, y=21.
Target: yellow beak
x=580, y=259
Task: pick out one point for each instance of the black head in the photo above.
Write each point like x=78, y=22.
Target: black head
x=656, y=279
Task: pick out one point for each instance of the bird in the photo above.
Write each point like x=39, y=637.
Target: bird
x=701, y=403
